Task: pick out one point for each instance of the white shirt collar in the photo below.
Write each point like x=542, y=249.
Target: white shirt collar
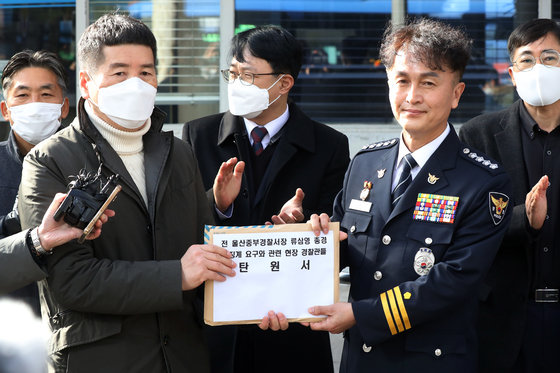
x=421, y=155
x=272, y=127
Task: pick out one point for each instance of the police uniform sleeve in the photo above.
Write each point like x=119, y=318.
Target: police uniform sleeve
x=452, y=280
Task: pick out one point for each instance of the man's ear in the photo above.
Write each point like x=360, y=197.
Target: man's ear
x=5, y=112
x=510, y=71
x=84, y=79
x=286, y=83
x=65, y=108
x=457, y=92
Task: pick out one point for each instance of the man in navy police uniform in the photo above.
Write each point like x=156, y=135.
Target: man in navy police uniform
x=419, y=246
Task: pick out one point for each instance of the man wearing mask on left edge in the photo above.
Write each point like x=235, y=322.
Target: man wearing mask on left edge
x=34, y=86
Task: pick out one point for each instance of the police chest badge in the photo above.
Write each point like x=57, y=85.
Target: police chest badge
x=498, y=203
x=424, y=261
x=365, y=192
x=362, y=204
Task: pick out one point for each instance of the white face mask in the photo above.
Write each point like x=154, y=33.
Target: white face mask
x=35, y=121
x=129, y=103
x=540, y=86
x=249, y=101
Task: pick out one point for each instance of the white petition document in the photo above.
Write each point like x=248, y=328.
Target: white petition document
x=286, y=272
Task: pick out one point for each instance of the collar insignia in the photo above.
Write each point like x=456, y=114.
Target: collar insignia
x=432, y=179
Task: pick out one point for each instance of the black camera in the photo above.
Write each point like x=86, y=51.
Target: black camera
x=89, y=195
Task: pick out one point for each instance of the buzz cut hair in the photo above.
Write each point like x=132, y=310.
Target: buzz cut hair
x=110, y=30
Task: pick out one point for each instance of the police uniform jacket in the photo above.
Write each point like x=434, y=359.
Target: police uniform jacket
x=415, y=269
x=115, y=304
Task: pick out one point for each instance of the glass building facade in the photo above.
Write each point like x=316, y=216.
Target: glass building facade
x=342, y=80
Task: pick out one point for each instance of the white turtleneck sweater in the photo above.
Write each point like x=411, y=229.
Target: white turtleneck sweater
x=128, y=145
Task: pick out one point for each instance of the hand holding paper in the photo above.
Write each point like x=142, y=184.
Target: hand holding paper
x=320, y=223
x=205, y=262
x=340, y=317
x=274, y=321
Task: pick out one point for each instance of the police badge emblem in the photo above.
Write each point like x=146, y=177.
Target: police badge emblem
x=424, y=261
x=498, y=204
x=361, y=204
x=432, y=179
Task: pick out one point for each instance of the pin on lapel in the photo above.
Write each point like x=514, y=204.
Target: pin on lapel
x=381, y=173
x=365, y=192
x=432, y=179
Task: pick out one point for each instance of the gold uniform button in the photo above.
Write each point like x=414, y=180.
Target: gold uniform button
x=377, y=275
x=366, y=348
x=428, y=240
x=386, y=240
x=437, y=352
x=353, y=229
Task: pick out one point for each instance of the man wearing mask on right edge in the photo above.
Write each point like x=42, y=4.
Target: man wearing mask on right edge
x=519, y=317
x=284, y=152
x=34, y=85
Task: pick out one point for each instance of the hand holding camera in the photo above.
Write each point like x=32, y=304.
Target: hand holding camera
x=89, y=195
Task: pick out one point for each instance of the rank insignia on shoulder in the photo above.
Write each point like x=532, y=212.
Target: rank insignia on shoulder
x=498, y=203
x=479, y=159
x=379, y=145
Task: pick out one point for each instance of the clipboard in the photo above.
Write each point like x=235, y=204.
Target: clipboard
x=284, y=268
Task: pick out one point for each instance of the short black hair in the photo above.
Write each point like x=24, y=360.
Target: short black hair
x=28, y=58
x=532, y=31
x=434, y=43
x=110, y=30
x=273, y=44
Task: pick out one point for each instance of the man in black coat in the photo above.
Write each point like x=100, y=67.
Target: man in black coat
x=519, y=320
x=283, y=150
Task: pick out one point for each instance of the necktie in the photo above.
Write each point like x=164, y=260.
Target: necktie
x=258, y=133
x=405, y=179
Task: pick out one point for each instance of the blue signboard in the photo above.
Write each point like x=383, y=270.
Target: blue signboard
x=435, y=8
x=36, y=3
